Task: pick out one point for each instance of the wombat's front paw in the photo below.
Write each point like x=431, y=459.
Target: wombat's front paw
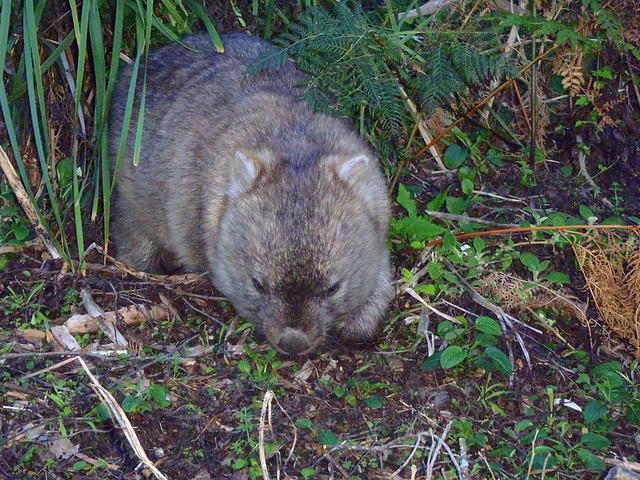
x=368, y=323
x=361, y=328
x=365, y=326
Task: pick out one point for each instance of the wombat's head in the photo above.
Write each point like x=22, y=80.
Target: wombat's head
x=302, y=247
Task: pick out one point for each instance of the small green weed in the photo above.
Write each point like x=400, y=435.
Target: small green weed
x=262, y=368
x=474, y=343
x=146, y=399
x=14, y=227
x=246, y=448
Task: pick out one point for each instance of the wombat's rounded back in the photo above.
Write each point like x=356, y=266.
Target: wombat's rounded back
x=192, y=97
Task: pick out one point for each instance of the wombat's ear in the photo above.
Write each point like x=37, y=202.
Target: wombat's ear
x=350, y=169
x=245, y=169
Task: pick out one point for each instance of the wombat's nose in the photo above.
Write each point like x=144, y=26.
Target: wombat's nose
x=293, y=342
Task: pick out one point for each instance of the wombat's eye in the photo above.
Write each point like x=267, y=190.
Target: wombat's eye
x=259, y=287
x=333, y=289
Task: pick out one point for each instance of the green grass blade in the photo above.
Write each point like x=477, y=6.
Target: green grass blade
x=5, y=17
x=81, y=31
x=199, y=12
x=177, y=17
x=128, y=112
x=99, y=69
x=37, y=109
x=141, y=111
x=56, y=52
x=77, y=212
x=103, y=138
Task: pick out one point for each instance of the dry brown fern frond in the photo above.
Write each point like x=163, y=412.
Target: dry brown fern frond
x=569, y=64
x=632, y=35
x=603, y=112
x=611, y=269
x=509, y=290
x=515, y=294
x=438, y=120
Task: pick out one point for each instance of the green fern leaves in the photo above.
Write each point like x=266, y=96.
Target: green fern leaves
x=366, y=71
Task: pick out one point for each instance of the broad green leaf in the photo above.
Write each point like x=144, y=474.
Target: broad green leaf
x=20, y=231
x=429, y=289
x=129, y=403
x=530, y=260
x=244, y=366
x=452, y=356
x=604, y=72
x=405, y=200
x=374, y=401
x=591, y=461
x=456, y=205
x=454, y=156
x=449, y=241
x=557, y=219
x=327, y=438
x=633, y=413
x=435, y=270
x=582, y=100
x=486, y=340
x=588, y=215
x=523, y=425
x=415, y=228
x=613, y=221
x=595, y=441
x=307, y=472
x=438, y=200
x=594, y=411
x=500, y=360
x=304, y=423
x=478, y=244
x=443, y=328
x=488, y=325
x=431, y=363
x=467, y=186
x=159, y=394
x=80, y=465
x=240, y=463
x=494, y=157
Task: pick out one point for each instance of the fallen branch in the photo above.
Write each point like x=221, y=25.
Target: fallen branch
x=131, y=315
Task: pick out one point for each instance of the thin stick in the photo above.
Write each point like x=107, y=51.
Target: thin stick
x=25, y=203
x=266, y=406
x=122, y=420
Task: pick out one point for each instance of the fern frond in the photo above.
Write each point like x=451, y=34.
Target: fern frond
x=362, y=68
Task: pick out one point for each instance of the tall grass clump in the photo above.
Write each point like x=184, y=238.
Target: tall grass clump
x=62, y=63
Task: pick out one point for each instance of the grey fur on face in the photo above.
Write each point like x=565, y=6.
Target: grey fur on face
x=285, y=208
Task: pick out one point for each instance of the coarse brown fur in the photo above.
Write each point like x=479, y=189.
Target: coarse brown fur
x=285, y=208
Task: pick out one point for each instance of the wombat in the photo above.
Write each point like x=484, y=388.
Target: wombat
x=286, y=209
